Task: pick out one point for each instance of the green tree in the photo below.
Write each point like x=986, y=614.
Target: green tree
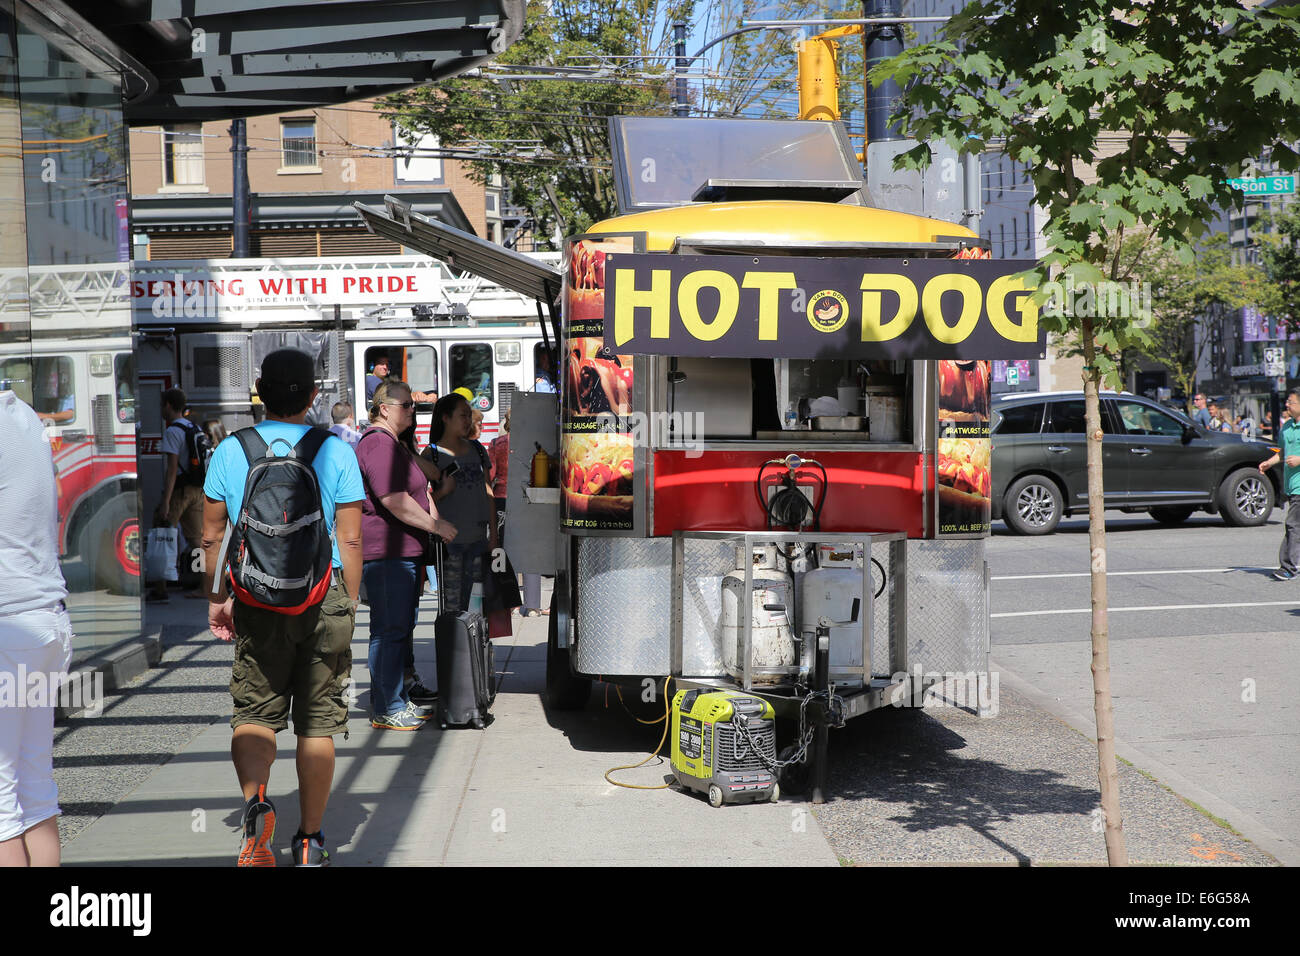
x=1187, y=298
x=1192, y=87
x=549, y=138
x=1280, y=256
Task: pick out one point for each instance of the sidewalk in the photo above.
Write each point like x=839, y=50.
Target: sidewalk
x=150, y=783
x=528, y=790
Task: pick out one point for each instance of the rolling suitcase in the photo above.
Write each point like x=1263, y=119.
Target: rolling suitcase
x=466, y=670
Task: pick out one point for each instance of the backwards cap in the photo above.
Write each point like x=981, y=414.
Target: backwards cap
x=287, y=373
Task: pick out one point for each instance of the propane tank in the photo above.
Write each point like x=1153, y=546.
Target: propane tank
x=771, y=617
x=827, y=593
x=541, y=467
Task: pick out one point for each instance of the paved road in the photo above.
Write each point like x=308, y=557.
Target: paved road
x=1204, y=656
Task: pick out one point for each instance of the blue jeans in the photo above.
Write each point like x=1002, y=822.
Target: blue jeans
x=391, y=585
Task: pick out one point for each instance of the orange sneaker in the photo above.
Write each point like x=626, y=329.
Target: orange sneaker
x=259, y=830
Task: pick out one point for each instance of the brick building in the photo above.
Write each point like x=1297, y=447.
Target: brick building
x=305, y=169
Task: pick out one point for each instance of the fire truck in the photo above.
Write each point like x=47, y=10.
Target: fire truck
x=78, y=374
x=206, y=325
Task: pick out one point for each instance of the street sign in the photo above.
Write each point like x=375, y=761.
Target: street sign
x=1264, y=185
x=1013, y=375
x=1274, y=362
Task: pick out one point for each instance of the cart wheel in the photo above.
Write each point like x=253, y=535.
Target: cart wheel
x=794, y=777
x=715, y=795
x=563, y=690
x=776, y=793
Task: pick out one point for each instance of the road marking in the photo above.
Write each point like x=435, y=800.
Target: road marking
x=1210, y=851
x=1152, y=607
x=1119, y=574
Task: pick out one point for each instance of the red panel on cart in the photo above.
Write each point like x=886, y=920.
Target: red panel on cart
x=868, y=491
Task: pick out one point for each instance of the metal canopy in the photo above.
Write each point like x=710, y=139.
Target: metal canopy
x=219, y=59
x=184, y=212
x=462, y=251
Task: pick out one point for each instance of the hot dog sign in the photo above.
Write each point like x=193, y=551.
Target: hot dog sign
x=785, y=307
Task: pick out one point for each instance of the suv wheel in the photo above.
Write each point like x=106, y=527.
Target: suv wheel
x=1033, y=505
x=1246, y=498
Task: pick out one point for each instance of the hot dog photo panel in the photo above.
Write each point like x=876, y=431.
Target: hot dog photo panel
x=597, y=449
x=965, y=450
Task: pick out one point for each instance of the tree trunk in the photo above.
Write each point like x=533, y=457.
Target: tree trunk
x=1107, y=770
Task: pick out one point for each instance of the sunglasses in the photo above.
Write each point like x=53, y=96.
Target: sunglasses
x=407, y=405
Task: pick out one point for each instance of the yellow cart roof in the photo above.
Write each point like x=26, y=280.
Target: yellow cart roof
x=780, y=223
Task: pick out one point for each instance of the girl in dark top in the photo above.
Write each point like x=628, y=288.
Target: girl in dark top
x=469, y=507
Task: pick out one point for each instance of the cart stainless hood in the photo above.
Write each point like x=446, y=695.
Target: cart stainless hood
x=463, y=251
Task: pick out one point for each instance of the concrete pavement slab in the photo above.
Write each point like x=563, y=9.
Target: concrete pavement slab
x=941, y=785
x=1208, y=708
x=528, y=790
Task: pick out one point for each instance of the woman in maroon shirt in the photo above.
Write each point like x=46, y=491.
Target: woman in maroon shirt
x=396, y=521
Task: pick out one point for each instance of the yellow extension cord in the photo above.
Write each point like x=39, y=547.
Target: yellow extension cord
x=668, y=703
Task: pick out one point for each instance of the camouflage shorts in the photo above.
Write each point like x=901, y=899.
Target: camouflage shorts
x=300, y=662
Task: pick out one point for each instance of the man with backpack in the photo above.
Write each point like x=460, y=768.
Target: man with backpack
x=285, y=488
x=186, y=450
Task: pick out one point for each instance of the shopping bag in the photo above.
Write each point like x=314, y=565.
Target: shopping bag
x=500, y=587
x=160, y=555
x=499, y=624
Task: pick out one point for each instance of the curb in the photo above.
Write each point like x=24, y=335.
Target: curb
x=111, y=670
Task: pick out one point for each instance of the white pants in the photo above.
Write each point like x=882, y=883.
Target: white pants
x=33, y=642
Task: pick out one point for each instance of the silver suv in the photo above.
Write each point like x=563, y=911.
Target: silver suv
x=1153, y=459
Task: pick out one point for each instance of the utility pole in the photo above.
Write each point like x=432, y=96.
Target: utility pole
x=241, y=212
x=882, y=42
x=681, y=107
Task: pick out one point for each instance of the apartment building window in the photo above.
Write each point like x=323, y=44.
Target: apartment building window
x=298, y=143
x=182, y=149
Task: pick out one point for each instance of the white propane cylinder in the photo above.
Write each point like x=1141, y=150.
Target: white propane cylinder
x=829, y=591
x=772, y=652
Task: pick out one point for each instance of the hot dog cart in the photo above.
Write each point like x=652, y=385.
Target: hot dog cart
x=772, y=424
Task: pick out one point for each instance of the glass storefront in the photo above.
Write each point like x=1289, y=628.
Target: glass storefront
x=65, y=320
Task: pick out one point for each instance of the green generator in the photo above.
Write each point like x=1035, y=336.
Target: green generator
x=724, y=745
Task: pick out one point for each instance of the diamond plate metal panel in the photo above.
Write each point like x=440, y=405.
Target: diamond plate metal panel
x=707, y=563
x=885, y=617
x=947, y=606
x=624, y=605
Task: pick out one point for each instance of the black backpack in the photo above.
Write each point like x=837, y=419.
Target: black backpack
x=280, y=552
x=198, y=451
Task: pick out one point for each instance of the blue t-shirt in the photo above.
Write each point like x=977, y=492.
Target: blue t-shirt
x=335, y=466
